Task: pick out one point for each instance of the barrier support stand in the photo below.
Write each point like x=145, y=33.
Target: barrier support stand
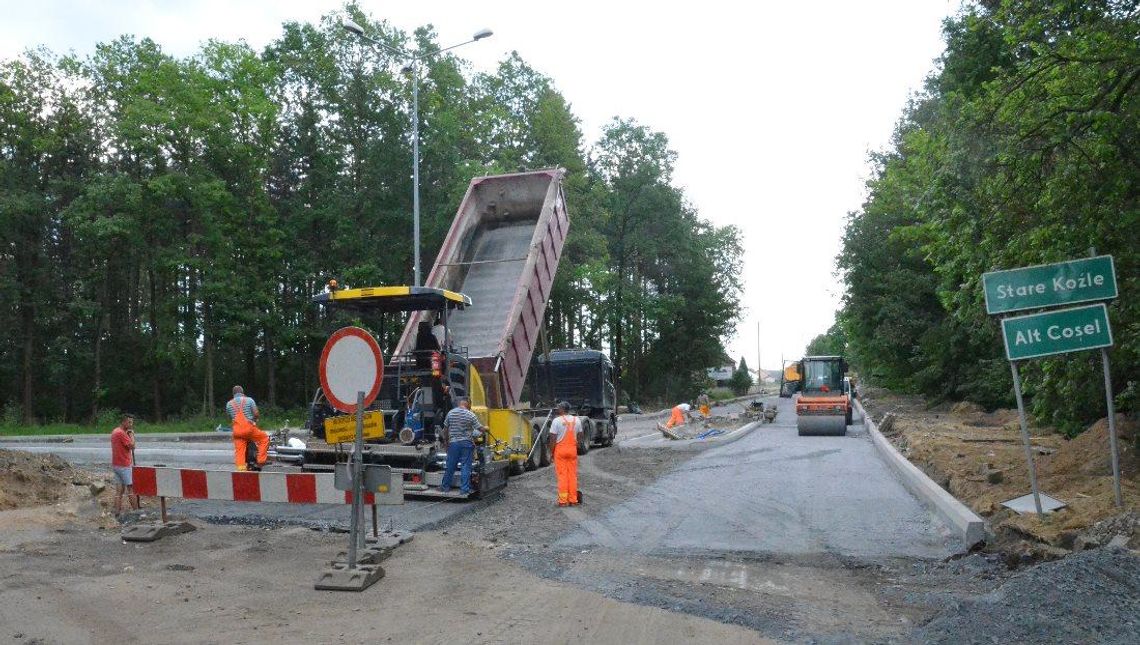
x=353, y=575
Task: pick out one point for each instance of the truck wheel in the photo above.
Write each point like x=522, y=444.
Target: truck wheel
x=545, y=450
x=611, y=433
x=587, y=437
x=532, y=459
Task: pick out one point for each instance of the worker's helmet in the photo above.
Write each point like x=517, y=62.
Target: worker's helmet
x=563, y=406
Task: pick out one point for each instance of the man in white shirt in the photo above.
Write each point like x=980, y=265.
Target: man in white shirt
x=564, y=431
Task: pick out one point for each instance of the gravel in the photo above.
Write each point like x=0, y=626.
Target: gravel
x=1092, y=596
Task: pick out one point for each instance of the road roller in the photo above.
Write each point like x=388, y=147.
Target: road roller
x=823, y=407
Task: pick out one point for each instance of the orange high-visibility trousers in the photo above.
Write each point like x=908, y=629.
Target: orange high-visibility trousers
x=677, y=418
x=244, y=432
x=566, y=464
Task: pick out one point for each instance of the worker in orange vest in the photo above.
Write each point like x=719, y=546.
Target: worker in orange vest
x=244, y=413
x=564, y=431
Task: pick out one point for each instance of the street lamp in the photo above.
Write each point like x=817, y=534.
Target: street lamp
x=413, y=60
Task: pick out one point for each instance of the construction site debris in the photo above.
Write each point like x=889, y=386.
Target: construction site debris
x=978, y=457
x=1090, y=597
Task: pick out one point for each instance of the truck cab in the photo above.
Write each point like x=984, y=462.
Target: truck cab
x=585, y=379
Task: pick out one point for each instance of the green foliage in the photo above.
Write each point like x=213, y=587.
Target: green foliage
x=165, y=222
x=831, y=343
x=1022, y=150
x=741, y=380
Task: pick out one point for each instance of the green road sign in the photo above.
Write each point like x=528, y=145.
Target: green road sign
x=1048, y=285
x=1056, y=332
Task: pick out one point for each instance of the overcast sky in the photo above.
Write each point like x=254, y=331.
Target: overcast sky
x=771, y=106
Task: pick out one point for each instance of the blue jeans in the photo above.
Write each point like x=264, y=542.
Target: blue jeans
x=459, y=453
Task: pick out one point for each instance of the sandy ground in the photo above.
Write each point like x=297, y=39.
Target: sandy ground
x=72, y=584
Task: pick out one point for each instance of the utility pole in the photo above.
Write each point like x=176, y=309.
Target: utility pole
x=759, y=368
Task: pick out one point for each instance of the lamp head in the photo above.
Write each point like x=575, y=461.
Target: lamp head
x=482, y=33
x=352, y=27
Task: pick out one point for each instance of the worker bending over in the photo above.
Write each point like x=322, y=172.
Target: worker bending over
x=564, y=431
x=244, y=413
x=679, y=416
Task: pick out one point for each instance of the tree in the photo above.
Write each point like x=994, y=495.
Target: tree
x=1022, y=150
x=741, y=380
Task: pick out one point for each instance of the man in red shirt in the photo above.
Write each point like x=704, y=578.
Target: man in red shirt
x=122, y=459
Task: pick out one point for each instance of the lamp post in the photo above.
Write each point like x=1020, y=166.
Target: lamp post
x=413, y=67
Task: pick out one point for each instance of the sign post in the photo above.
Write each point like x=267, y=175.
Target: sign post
x=1025, y=439
x=1059, y=331
x=351, y=370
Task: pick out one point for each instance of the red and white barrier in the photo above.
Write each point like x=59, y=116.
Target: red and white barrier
x=234, y=486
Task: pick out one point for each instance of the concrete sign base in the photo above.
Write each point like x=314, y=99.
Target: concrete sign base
x=339, y=577
x=1024, y=504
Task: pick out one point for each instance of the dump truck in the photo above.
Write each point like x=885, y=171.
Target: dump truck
x=470, y=331
x=823, y=407
x=584, y=378
x=790, y=379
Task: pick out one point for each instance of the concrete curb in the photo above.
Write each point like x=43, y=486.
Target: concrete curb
x=664, y=413
x=692, y=445
x=963, y=521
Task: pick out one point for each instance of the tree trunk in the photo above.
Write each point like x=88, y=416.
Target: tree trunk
x=155, y=360
x=29, y=347
x=271, y=376
x=207, y=330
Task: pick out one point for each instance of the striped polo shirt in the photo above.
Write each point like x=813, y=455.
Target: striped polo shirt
x=461, y=424
x=248, y=406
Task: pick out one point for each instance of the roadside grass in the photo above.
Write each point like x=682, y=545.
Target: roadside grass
x=268, y=422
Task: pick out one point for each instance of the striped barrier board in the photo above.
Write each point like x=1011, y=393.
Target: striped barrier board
x=237, y=486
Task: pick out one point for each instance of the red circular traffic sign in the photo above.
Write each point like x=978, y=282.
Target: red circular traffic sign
x=351, y=363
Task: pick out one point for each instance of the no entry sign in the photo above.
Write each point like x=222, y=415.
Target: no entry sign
x=351, y=363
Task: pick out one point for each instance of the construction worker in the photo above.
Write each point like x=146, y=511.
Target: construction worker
x=564, y=431
x=679, y=415
x=122, y=461
x=460, y=430
x=704, y=404
x=244, y=413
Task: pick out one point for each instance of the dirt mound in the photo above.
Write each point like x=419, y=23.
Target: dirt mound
x=965, y=407
x=28, y=480
x=1090, y=597
x=1088, y=454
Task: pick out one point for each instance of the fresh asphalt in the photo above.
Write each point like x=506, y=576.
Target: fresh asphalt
x=775, y=492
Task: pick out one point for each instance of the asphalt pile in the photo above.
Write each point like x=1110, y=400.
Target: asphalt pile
x=1089, y=597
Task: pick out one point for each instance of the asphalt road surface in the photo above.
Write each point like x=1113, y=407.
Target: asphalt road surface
x=776, y=492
